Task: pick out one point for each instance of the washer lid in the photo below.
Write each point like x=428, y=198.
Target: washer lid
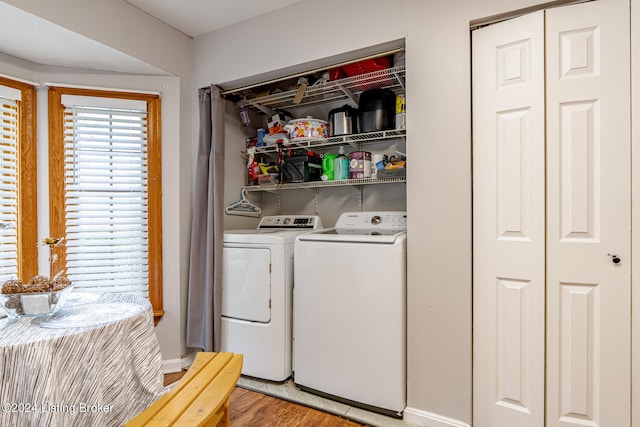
x=353, y=236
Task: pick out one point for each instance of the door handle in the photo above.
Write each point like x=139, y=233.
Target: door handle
x=614, y=258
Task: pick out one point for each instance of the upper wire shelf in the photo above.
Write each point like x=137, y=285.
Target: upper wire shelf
x=335, y=90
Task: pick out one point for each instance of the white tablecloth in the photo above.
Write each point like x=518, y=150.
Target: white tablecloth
x=96, y=363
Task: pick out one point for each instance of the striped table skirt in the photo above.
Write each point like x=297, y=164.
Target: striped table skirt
x=96, y=362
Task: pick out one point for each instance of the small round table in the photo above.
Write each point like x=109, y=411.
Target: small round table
x=96, y=362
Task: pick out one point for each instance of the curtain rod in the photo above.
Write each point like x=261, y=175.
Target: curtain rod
x=315, y=70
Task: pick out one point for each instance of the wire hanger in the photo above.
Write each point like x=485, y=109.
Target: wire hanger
x=243, y=207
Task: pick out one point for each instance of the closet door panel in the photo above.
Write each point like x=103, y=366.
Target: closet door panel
x=508, y=167
x=588, y=215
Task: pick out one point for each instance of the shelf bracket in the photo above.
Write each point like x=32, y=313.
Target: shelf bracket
x=349, y=93
x=400, y=80
x=354, y=144
x=267, y=111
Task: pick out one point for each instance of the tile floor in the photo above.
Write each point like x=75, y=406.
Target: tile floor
x=290, y=392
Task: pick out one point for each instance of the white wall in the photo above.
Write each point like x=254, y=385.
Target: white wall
x=168, y=330
x=127, y=29
x=438, y=147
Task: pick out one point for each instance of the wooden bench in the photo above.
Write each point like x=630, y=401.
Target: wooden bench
x=200, y=398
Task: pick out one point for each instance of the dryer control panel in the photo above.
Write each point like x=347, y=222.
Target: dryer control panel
x=295, y=222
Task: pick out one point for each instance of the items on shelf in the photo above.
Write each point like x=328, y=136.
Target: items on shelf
x=341, y=166
x=343, y=120
x=375, y=112
x=253, y=168
x=306, y=128
x=359, y=164
x=301, y=166
x=277, y=122
x=328, y=166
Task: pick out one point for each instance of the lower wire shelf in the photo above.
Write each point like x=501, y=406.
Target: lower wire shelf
x=320, y=184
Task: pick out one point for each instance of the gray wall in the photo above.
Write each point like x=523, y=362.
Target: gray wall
x=438, y=145
x=438, y=142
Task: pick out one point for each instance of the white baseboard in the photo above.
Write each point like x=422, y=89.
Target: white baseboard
x=172, y=365
x=187, y=360
x=177, y=365
x=429, y=419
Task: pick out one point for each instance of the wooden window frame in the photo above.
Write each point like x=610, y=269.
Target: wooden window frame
x=57, y=189
x=27, y=232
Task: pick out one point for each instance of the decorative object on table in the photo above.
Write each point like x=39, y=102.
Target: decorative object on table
x=41, y=296
x=52, y=242
x=31, y=302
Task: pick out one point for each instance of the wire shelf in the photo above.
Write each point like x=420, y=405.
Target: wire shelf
x=336, y=90
x=355, y=140
x=323, y=184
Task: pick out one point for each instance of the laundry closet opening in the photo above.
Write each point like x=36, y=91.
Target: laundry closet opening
x=293, y=124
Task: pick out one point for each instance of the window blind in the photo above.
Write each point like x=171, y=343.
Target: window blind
x=8, y=189
x=106, y=201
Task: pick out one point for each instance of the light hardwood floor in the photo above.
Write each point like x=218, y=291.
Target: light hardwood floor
x=252, y=409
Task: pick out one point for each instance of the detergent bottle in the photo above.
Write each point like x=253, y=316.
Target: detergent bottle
x=341, y=165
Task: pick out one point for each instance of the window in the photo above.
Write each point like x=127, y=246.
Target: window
x=105, y=192
x=18, y=181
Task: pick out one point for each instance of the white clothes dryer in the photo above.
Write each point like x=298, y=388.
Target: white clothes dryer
x=350, y=311
x=257, y=282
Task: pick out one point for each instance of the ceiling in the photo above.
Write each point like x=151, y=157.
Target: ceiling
x=197, y=17
x=26, y=36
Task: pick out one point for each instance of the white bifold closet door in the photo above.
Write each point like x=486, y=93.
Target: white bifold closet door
x=552, y=204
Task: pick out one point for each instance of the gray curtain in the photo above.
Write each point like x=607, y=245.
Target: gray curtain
x=205, y=263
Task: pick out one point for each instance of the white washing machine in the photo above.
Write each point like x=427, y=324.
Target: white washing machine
x=350, y=311
x=257, y=282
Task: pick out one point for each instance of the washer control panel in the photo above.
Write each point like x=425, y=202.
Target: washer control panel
x=311, y=222
x=391, y=220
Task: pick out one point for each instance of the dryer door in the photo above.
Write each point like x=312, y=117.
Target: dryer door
x=246, y=283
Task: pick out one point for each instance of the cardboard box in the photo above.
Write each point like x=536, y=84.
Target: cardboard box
x=277, y=122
